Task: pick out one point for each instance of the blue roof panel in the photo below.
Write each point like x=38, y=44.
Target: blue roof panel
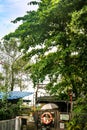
x=15, y=94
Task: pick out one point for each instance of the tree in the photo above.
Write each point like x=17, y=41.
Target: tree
x=10, y=55
x=59, y=24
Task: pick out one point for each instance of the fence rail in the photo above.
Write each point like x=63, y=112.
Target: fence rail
x=13, y=124
x=7, y=124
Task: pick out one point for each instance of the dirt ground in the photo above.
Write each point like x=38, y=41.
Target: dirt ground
x=31, y=126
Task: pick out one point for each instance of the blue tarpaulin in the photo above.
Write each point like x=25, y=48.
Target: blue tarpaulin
x=15, y=95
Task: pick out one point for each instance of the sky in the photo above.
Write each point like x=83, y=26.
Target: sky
x=9, y=10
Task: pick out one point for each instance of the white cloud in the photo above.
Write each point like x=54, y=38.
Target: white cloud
x=6, y=27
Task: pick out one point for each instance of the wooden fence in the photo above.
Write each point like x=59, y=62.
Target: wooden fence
x=13, y=124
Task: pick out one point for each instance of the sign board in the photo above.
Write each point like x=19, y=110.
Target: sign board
x=61, y=125
x=64, y=117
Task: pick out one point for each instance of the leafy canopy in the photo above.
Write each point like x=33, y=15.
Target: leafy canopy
x=55, y=36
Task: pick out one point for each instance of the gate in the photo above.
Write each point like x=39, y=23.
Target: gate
x=58, y=122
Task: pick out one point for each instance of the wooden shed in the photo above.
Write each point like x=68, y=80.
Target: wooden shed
x=58, y=117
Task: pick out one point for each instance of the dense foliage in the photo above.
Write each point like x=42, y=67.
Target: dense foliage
x=60, y=26
x=55, y=36
x=9, y=110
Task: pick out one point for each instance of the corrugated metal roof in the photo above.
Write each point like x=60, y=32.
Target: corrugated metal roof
x=15, y=94
x=1, y=95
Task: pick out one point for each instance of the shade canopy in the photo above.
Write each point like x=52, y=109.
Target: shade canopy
x=49, y=106
x=15, y=95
